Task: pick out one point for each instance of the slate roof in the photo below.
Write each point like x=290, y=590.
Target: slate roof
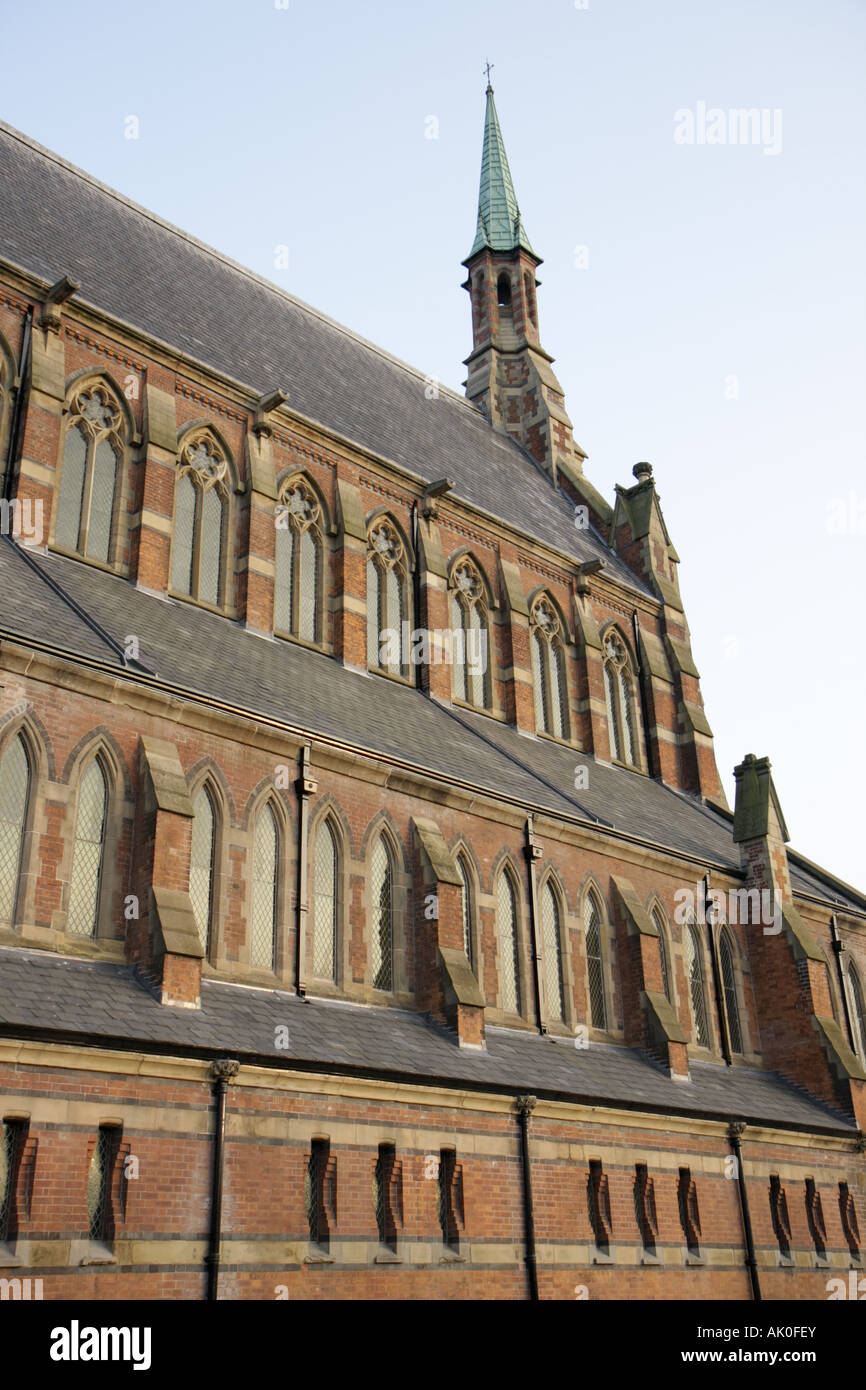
x=202, y=652
x=54, y=998
x=56, y=220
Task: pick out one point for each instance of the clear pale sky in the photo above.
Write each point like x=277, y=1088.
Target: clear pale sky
x=717, y=328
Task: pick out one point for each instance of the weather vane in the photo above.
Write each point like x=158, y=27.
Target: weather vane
x=488, y=67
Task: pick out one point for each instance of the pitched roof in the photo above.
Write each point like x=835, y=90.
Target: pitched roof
x=199, y=651
x=499, y=224
x=55, y=998
x=57, y=220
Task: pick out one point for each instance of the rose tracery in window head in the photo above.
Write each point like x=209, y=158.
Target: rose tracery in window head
x=385, y=546
x=203, y=459
x=298, y=505
x=98, y=412
x=467, y=583
x=545, y=618
x=614, y=649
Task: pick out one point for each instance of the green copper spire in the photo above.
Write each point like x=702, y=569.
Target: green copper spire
x=499, y=224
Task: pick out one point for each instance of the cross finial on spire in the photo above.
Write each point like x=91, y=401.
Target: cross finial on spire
x=488, y=68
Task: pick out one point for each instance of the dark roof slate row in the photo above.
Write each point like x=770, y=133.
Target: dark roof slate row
x=54, y=998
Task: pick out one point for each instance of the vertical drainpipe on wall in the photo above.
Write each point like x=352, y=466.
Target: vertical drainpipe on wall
x=533, y=852
x=306, y=787
x=838, y=951
x=15, y=427
x=222, y=1072
x=644, y=703
x=416, y=591
x=718, y=991
x=525, y=1107
x=735, y=1129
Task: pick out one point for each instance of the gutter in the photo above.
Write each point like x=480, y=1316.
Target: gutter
x=290, y=417
x=269, y=722
x=191, y=1052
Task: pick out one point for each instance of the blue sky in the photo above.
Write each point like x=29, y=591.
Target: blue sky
x=717, y=328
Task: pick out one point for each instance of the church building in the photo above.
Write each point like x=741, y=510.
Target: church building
x=373, y=922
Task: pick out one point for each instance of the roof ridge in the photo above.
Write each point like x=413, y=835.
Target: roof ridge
x=244, y=270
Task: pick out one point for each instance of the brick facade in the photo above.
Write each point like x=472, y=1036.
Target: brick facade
x=449, y=836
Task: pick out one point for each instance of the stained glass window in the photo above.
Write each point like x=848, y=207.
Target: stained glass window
x=695, y=968
x=471, y=658
x=200, y=521
x=594, y=962
x=619, y=698
x=90, y=472
x=88, y=852
x=732, y=1008
x=202, y=866
x=325, y=907
x=663, y=953
x=465, y=906
x=548, y=670
x=298, y=600
x=382, y=893
x=387, y=600
x=14, y=793
x=509, y=949
x=554, y=991
x=263, y=933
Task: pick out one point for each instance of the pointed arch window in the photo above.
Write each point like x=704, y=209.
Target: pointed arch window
x=88, y=852
x=263, y=924
x=470, y=636
x=93, y=448
x=551, y=934
x=201, y=869
x=503, y=290
x=382, y=891
x=857, y=1000
x=507, y=928
x=326, y=904
x=548, y=669
x=465, y=906
x=299, y=548
x=729, y=985
x=619, y=697
x=529, y=293
x=387, y=600
x=659, y=922
x=697, y=987
x=15, y=778
x=594, y=962
x=200, y=521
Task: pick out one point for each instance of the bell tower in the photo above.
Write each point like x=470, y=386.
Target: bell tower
x=511, y=377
